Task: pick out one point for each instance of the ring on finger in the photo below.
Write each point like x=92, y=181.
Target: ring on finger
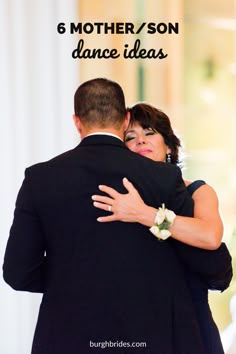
x=109, y=208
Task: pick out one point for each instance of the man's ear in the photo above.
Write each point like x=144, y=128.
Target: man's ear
x=127, y=120
x=77, y=123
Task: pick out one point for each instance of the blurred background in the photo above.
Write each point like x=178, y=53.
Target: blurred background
x=195, y=85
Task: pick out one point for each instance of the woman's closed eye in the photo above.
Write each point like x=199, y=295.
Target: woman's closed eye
x=129, y=137
x=150, y=132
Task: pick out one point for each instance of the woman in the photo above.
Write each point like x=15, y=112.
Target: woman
x=150, y=134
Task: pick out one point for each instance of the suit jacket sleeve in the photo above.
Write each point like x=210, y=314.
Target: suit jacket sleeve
x=215, y=267
x=24, y=261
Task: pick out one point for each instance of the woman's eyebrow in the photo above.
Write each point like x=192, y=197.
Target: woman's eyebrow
x=129, y=131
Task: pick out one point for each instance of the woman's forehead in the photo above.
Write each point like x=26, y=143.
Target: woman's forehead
x=140, y=125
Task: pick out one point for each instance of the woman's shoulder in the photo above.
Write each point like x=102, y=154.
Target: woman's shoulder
x=193, y=186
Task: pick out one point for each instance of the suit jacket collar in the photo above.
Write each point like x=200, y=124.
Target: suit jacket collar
x=101, y=140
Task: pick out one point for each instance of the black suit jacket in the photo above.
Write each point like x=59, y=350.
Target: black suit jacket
x=101, y=282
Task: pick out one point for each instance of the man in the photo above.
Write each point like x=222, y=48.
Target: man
x=111, y=285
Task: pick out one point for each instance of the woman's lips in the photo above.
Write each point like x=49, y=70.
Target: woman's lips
x=144, y=151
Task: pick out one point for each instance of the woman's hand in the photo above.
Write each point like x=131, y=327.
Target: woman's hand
x=205, y=230
x=127, y=207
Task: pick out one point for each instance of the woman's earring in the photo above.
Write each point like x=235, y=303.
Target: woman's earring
x=168, y=158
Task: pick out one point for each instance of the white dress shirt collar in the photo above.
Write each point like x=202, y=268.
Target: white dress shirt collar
x=104, y=133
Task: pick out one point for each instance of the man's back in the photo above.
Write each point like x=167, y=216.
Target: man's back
x=101, y=282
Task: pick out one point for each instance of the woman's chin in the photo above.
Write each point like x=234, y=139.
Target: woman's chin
x=148, y=154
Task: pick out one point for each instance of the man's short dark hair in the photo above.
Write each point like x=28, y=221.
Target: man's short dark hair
x=100, y=102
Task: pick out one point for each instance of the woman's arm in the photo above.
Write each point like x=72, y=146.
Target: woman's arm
x=205, y=230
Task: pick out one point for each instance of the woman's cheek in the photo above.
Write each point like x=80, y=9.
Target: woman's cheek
x=130, y=146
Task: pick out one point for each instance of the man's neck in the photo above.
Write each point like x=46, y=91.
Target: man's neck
x=112, y=132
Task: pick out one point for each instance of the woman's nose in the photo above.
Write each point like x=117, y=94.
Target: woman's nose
x=141, y=139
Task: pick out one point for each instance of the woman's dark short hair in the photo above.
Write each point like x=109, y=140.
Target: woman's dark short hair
x=150, y=117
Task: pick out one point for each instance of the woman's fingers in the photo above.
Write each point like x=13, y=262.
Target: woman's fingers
x=123, y=207
x=103, y=206
x=102, y=199
x=113, y=193
x=107, y=218
x=129, y=186
x=110, y=191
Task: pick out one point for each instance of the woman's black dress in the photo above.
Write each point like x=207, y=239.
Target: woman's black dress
x=199, y=288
